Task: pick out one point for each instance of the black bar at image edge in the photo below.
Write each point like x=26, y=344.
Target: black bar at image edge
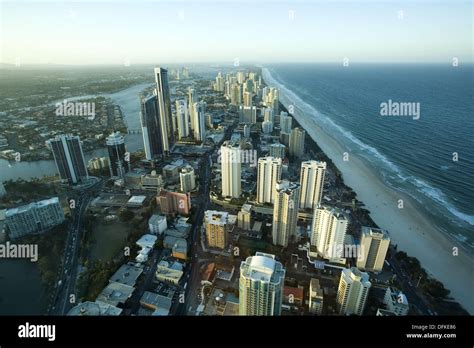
x=235, y=330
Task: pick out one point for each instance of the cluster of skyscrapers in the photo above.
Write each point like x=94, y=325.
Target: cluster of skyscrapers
x=261, y=275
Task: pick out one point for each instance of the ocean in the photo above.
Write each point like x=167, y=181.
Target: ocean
x=413, y=154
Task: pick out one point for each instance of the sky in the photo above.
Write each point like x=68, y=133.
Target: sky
x=158, y=32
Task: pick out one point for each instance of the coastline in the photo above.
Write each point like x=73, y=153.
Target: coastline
x=410, y=229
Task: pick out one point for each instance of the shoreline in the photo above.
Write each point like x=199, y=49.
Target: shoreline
x=411, y=230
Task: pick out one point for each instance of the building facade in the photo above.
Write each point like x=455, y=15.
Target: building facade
x=285, y=212
x=261, y=285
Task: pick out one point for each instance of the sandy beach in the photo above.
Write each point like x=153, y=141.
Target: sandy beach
x=408, y=227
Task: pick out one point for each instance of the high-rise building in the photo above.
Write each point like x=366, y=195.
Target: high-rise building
x=285, y=212
x=117, y=154
x=312, y=181
x=277, y=150
x=230, y=170
x=316, y=297
x=270, y=98
x=297, y=136
x=218, y=224
x=192, y=98
x=248, y=114
x=34, y=218
x=199, y=129
x=235, y=95
x=247, y=129
x=329, y=232
x=241, y=76
x=261, y=285
x=267, y=127
x=151, y=128
x=220, y=83
x=187, y=179
x=268, y=174
x=285, y=123
x=247, y=99
x=182, y=118
x=268, y=115
x=374, y=245
x=353, y=290
x=69, y=158
x=164, y=109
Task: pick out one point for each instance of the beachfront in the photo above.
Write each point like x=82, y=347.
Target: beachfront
x=410, y=229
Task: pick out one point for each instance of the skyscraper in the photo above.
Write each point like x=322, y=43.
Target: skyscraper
x=192, y=98
x=285, y=123
x=374, y=244
x=268, y=174
x=261, y=285
x=220, y=83
x=285, y=212
x=312, y=180
x=182, y=118
x=230, y=170
x=247, y=99
x=328, y=232
x=151, y=128
x=199, y=129
x=297, y=136
x=119, y=164
x=235, y=94
x=277, y=150
x=164, y=109
x=69, y=158
x=352, y=292
x=268, y=115
x=248, y=114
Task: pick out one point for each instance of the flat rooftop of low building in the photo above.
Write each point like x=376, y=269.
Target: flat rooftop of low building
x=115, y=293
x=97, y=308
x=127, y=274
x=136, y=200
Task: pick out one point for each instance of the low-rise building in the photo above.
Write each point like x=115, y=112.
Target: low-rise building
x=396, y=302
x=127, y=274
x=94, y=309
x=169, y=271
x=147, y=241
x=157, y=224
x=115, y=294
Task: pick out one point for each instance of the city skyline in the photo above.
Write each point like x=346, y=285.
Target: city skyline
x=361, y=31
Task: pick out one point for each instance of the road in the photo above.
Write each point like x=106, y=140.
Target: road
x=409, y=288
x=197, y=257
x=65, y=296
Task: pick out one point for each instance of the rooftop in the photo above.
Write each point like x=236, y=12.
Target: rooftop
x=127, y=274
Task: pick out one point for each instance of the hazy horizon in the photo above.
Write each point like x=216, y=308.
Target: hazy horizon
x=85, y=33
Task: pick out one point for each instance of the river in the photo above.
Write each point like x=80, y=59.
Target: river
x=21, y=291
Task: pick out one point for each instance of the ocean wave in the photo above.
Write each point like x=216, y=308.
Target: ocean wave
x=422, y=187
